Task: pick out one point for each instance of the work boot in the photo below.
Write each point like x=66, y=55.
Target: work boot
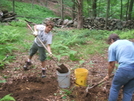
x=43, y=73
x=26, y=65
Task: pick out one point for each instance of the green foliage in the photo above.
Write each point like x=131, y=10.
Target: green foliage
x=33, y=13
x=5, y=60
x=36, y=13
x=7, y=48
x=2, y=64
x=67, y=39
x=124, y=34
x=93, y=41
x=73, y=37
x=18, y=23
x=63, y=50
x=2, y=81
x=73, y=56
x=73, y=43
x=114, y=12
x=127, y=34
x=10, y=36
x=7, y=98
x=67, y=92
x=68, y=2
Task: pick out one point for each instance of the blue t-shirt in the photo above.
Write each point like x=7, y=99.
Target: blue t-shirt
x=122, y=51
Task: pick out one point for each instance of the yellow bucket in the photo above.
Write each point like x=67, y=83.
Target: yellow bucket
x=81, y=75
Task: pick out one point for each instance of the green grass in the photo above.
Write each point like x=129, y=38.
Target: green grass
x=33, y=13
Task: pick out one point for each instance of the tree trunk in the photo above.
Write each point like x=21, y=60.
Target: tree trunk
x=62, y=10
x=13, y=6
x=107, y=13
x=121, y=11
x=73, y=10
x=94, y=7
x=127, y=10
x=99, y=10
x=80, y=14
x=130, y=9
x=46, y=2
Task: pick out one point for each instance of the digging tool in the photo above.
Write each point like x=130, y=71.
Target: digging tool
x=63, y=68
x=97, y=84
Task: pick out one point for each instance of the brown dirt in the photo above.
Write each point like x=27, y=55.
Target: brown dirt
x=29, y=86
x=30, y=89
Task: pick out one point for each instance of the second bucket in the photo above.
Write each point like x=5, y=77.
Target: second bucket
x=81, y=75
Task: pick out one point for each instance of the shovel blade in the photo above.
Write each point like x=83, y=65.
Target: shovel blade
x=62, y=69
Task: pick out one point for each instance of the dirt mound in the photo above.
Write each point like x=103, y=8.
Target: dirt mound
x=30, y=89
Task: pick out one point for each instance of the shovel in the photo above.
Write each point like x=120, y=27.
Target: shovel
x=100, y=82
x=63, y=68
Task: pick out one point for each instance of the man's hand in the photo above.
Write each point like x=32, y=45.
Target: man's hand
x=35, y=33
x=106, y=77
x=50, y=54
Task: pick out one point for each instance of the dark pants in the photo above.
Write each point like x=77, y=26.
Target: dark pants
x=35, y=48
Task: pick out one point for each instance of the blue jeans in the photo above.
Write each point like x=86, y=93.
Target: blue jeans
x=123, y=77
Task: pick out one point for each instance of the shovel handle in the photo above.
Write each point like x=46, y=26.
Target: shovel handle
x=102, y=81
x=47, y=49
x=30, y=27
x=97, y=84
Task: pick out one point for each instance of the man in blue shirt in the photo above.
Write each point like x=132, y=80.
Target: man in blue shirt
x=121, y=51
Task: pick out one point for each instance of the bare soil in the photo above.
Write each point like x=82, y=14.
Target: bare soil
x=29, y=86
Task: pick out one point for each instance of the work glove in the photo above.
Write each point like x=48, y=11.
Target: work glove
x=35, y=33
x=50, y=54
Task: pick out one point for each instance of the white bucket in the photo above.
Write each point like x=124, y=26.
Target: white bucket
x=63, y=79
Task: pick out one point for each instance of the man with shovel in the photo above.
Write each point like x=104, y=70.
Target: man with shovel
x=121, y=51
x=43, y=36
